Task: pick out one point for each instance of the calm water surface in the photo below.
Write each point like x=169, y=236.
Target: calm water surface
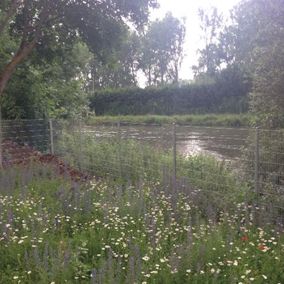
x=223, y=143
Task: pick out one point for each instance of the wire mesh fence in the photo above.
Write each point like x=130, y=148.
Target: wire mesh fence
x=213, y=165
x=20, y=138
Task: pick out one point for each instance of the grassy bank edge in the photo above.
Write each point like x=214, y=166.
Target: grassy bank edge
x=224, y=120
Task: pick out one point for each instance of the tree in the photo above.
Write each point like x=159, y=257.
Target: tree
x=37, y=24
x=51, y=85
x=250, y=49
x=258, y=36
x=162, y=50
x=209, y=60
x=7, y=10
x=119, y=70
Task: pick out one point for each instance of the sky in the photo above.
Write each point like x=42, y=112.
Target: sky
x=189, y=10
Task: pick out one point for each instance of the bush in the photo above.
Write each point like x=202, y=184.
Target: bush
x=169, y=100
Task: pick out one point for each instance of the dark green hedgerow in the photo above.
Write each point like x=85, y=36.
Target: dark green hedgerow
x=170, y=100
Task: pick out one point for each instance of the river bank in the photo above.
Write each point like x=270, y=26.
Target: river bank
x=220, y=120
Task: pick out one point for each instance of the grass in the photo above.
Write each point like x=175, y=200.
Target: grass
x=214, y=184
x=134, y=224
x=129, y=161
x=54, y=231
x=226, y=120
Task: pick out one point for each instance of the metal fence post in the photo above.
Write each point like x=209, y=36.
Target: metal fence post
x=118, y=128
x=80, y=146
x=174, y=156
x=119, y=149
x=256, y=174
x=51, y=136
x=1, y=140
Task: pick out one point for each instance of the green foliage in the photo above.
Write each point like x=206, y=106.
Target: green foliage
x=119, y=69
x=231, y=120
x=131, y=161
x=49, y=85
x=126, y=160
x=56, y=22
x=7, y=46
x=58, y=232
x=170, y=100
x=209, y=59
x=268, y=86
x=158, y=53
x=258, y=39
x=253, y=43
x=270, y=163
x=51, y=34
x=162, y=51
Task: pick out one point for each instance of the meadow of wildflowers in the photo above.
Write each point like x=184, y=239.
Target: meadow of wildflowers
x=55, y=230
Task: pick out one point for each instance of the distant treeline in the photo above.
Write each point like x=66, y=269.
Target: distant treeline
x=169, y=100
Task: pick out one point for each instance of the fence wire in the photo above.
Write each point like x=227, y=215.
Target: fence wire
x=22, y=138
x=214, y=162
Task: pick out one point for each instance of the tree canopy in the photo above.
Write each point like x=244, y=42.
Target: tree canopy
x=54, y=54
x=252, y=43
x=44, y=23
x=162, y=50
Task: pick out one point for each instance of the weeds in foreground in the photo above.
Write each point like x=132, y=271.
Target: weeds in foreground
x=52, y=231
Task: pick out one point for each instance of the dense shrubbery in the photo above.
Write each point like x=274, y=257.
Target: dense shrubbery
x=169, y=100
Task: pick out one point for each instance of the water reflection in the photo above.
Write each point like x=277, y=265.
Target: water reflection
x=223, y=143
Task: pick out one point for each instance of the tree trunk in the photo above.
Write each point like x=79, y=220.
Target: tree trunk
x=176, y=75
x=162, y=78
x=149, y=76
x=24, y=50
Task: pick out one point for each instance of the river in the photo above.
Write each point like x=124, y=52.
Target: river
x=223, y=143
